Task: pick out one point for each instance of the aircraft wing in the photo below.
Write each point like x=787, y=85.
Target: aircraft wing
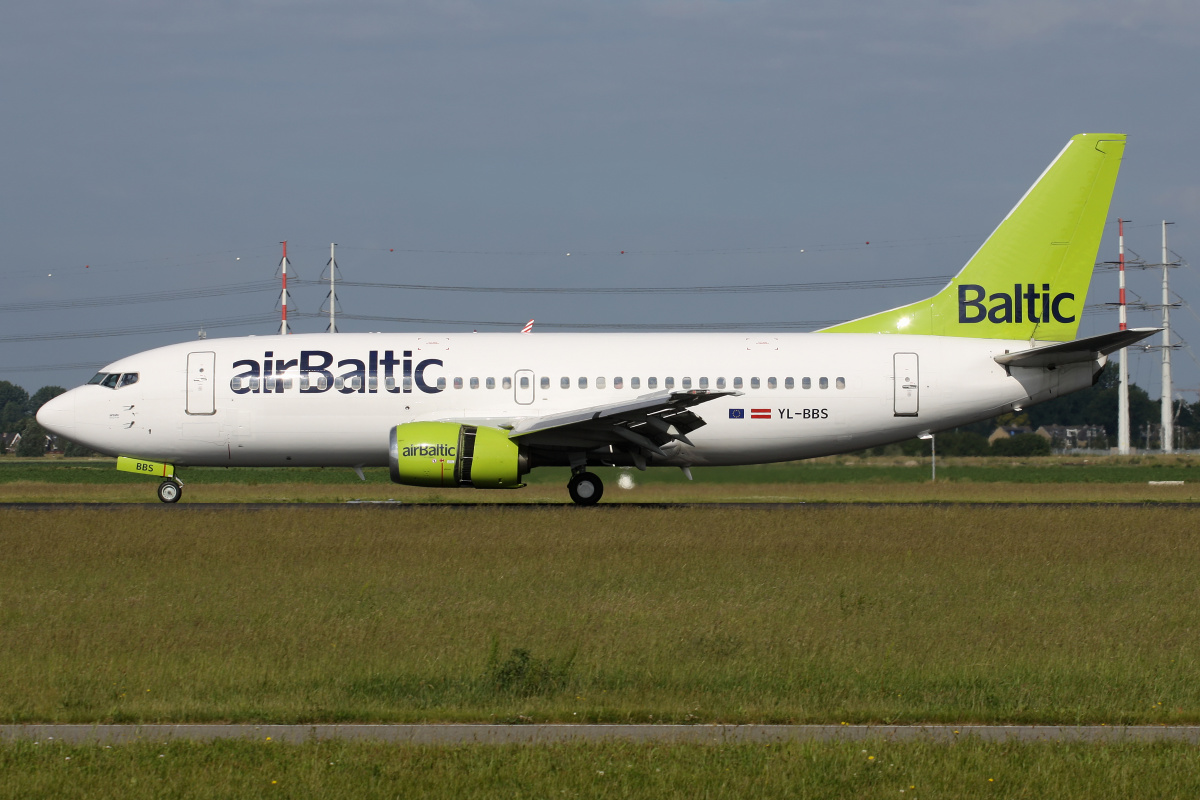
x=1081, y=350
x=641, y=426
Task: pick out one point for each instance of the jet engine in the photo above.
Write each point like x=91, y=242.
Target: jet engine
x=448, y=454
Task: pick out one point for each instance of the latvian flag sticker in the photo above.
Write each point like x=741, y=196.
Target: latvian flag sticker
x=760, y=413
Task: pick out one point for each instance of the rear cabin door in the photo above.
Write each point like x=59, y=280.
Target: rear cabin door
x=907, y=383
x=201, y=386
x=523, y=386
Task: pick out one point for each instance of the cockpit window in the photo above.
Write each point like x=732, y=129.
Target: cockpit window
x=128, y=378
x=98, y=377
x=111, y=380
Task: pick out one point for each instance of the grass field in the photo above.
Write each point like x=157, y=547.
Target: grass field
x=876, y=769
x=1053, y=479
x=820, y=614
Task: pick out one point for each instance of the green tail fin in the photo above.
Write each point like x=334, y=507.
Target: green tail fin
x=1030, y=278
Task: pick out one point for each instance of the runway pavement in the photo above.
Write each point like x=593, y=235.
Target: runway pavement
x=459, y=734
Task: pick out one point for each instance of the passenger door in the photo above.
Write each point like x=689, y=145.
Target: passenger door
x=201, y=383
x=907, y=384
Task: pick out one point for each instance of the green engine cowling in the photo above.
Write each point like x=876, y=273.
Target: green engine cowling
x=445, y=454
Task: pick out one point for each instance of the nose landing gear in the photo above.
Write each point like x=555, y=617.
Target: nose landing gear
x=585, y=489
x=169, y=491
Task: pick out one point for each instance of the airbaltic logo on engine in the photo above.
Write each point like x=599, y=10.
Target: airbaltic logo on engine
x=357, y=375
x=1025, y=304
x=429, y=450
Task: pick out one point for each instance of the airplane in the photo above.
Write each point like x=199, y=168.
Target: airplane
x=482, y=410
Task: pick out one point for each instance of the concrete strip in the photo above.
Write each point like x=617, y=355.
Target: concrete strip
x=457, y=734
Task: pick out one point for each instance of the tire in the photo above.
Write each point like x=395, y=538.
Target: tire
x=170, y=492
x=585, y=489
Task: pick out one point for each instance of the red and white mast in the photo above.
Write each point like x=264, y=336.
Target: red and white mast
x=283, y=295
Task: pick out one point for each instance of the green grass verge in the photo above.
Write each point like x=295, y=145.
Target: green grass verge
x=806, y=770
x=830, y=614
x=1055, y=469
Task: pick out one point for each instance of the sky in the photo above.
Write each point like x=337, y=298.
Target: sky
x=153, y=147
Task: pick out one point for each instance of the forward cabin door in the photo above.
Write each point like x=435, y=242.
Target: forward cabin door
x=201, y=386
x=906, y=380
x=523, y=386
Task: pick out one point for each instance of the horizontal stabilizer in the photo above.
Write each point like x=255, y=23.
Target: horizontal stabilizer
x=1079, y=351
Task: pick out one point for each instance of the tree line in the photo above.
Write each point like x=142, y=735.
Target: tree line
x=18, y=412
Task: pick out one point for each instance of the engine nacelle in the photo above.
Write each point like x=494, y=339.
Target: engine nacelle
x=447, y=454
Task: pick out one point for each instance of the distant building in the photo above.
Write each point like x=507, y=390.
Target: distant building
x=1008, y=431
x=1075, y=437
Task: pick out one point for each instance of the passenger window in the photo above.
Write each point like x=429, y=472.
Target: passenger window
x=254, y=384
x=668, y=383
x=704, y=383
x=806, y=383
x=635, y=383
x=599, y=383
x=441, y=384
x=772, y=383
x=490, y=383
x=840, y=383
x=789, y=383
x=356, y=382
x=458, y=384
x=583, y=383
x=339, y=383
x=235, y=383
x=389, y=382
x=474, y=383
x=687, y=383
x=372, y=383
x=618, y=383
x=720, y=383
x=824, y=384
x=754, y=383
x=565, y=383
x=110, y=381
x=651, y=383
x=506, y=382
x=98, y=378
x=129, y=378
x=287, y=384
x=737, y=383
x=407, y=382
x=524, y=381
x=323, y=382
x=545, y=382
x=269, y=383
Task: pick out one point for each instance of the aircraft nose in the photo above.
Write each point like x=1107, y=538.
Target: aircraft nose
x=58, y=415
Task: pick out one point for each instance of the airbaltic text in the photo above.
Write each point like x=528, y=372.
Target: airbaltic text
x=1037, y=306
x=316, y=370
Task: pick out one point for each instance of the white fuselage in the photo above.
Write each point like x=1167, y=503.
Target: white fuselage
x=803, y=395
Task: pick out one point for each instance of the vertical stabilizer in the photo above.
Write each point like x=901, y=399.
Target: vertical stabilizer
x=1029, y=280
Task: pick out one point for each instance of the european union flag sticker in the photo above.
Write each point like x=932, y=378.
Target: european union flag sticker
x=737, y=413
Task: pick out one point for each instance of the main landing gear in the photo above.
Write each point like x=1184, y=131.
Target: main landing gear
x=170, y=490
x=585, y=488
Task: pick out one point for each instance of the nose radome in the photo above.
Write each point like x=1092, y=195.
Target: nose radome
x=58, y=415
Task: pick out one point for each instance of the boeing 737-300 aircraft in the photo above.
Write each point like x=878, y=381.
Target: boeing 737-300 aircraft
x=483, y=410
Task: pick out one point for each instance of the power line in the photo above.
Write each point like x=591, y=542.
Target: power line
x=135, y=299
x=825, y=286
x=232, y=322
